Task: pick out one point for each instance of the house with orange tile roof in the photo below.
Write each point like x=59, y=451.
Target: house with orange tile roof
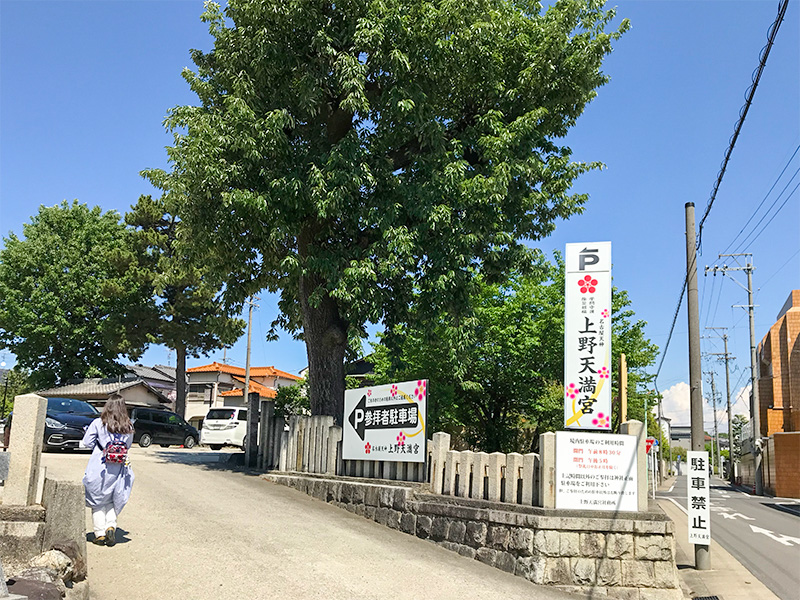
x=220, y=384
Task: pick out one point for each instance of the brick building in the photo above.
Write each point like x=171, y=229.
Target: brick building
x=779, y=404
x=779, y=371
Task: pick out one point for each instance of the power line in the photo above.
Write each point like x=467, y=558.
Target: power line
x=771, y=218
x=733, y=241
x=750, y=93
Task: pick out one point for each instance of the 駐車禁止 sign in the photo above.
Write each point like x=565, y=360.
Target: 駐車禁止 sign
x=386, y=422
x=587, y=336
x=698, y=500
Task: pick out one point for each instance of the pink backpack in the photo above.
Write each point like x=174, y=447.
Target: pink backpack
x=116, y=451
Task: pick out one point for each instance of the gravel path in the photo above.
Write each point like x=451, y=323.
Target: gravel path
x=195, y=530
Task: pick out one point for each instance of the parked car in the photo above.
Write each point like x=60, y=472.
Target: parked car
x=65, y=423
x=225, y=427
x=164, y=427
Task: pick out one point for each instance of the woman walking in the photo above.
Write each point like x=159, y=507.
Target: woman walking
x=109, y=477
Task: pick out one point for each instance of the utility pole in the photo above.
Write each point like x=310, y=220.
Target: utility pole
x=727, y=358
x=716, y=429
x=250, y=447
x=755, y=404
x=702, y=556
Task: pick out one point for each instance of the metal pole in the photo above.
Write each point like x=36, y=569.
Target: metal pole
x=702, y=557
x=755, y=404
x=660, y=441
x=716, y=428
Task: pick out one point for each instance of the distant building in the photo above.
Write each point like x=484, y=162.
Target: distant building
x=220, y=384
x=681, y=436
x=141, y=386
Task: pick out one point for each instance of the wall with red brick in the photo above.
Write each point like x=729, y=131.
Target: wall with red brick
x=786, y=456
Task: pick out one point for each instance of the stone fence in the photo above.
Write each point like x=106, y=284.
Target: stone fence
x=603, y=554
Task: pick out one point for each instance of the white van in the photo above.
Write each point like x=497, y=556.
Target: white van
x=224, y=427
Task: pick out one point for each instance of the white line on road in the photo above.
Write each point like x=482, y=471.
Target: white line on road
x=780, y=538
x=671, y=488
x=675, y=502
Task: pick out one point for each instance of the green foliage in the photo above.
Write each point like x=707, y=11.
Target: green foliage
x=738, y=425
x=292, y=400
x=14, y=382
x=496, y=377
x=73, y=300
x=678, y=451
x=189, y=316
x=370, y=160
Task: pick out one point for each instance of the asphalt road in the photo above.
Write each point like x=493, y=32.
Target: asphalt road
x=196, y=529
x=762, y=533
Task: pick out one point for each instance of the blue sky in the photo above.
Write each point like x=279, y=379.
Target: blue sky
x=84, y=87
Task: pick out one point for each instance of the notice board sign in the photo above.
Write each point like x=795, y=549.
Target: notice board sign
x=698, y=505
x=587, y=336
x=596, y=471
x=386, y=422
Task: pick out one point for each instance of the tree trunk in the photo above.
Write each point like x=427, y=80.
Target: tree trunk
x=325, y=334
x=180, y=381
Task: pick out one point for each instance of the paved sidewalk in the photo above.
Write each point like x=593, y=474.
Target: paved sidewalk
x=728, y=578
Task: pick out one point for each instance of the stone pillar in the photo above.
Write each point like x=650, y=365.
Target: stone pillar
x=513, y=472
x=465, y=466
x=27, y=432
x=479, y=467
x=636, y=428
x=530, y=464
x=440, y=444
x=497, y=460
x=547, y=475
x=334, y=460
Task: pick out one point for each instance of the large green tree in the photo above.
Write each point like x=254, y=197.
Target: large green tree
x=189, y=316
x=496, y=377
x=364, y=155
x=73, y=300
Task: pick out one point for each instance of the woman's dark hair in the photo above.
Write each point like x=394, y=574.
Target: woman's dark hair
x=115, y=416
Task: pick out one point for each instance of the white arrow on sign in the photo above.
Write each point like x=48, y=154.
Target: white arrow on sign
x=734, y=515
x=781, y=539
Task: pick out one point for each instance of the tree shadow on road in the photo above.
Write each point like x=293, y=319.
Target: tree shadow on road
x=209, y=461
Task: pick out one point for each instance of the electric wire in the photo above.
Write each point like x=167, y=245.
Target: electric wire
x=750, y=93
x=771, y=218
x=733, y=241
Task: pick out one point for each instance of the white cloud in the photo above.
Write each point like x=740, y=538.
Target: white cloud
x=676, y=404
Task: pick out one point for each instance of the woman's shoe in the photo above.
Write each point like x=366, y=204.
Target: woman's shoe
x=111, y=536
x=99, y=540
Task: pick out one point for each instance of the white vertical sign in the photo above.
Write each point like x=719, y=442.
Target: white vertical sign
x=587, y=336
x=698, y=497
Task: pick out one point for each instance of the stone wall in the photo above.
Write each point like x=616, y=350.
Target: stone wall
x=626, y=555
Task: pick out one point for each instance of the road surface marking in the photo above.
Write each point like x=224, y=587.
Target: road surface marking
x=675, y=502
x=734, y=515
x=781, y=539
x=671, y=488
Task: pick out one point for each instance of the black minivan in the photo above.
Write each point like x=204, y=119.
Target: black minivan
x=153, y=425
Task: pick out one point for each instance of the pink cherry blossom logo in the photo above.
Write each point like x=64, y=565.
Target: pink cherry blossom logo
x=602, y=420
x=603, y=373
x=367, y=448
x=393, y=391
x=419, y=392
x=572, y=391
x=587, y=284
x=369, y=392
x=604, y=314
x=401, y=439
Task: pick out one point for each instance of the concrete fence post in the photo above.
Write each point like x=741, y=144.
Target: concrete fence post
x=479, y=465
x=634, y=427
x=497, y=461
x=440, y=444
x=463, y=466
x=26, y=450
x=529, y=465
x=513, y=473
x=547, y=470
x=449, y=487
